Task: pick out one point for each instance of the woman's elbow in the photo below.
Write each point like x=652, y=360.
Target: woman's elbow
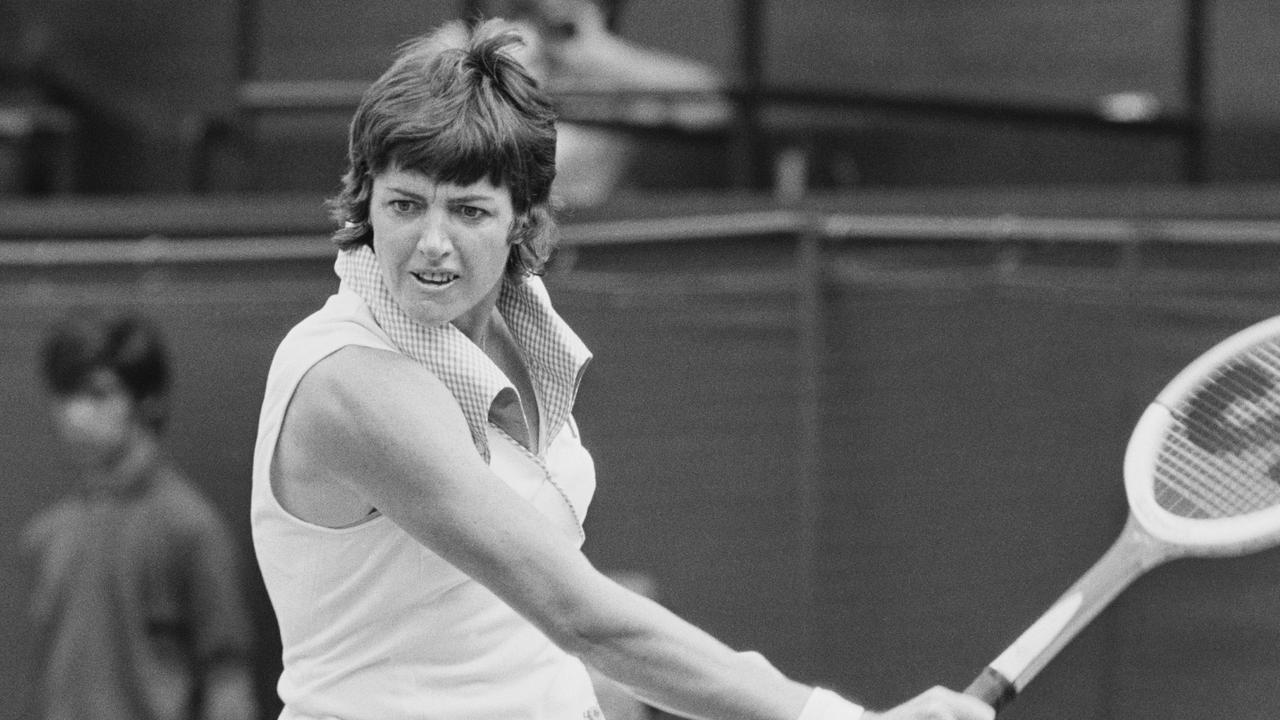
x=589, y=629
x=579, y=631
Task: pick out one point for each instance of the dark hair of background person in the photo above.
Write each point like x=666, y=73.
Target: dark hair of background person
x=129, y=347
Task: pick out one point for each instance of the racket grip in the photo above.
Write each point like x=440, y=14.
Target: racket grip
x=992, y=688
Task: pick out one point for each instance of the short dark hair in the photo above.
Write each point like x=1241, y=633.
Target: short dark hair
x=456, y=105
x=128, y=346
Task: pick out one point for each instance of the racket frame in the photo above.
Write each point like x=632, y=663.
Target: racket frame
x=1200, y=537
x=1151, y=536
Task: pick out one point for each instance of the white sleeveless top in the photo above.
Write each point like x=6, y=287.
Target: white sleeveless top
x=373, y=624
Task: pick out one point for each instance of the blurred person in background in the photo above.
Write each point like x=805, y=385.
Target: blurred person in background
x=419, y=483
x=618, y=85
x=136, y=599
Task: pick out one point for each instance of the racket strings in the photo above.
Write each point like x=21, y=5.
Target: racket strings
x=1221, y=456
x=1192, y=485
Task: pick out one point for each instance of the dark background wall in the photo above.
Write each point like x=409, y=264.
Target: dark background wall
x=144, y=76
x=892, y=520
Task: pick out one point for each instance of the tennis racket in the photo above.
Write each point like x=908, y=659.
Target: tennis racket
x=1202, y=476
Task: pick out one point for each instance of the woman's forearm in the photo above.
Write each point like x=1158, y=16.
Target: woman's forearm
x=672, y=665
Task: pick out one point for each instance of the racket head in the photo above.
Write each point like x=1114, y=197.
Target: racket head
x=1202, y=467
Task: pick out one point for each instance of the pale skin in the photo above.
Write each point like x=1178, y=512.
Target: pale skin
x=442, y=249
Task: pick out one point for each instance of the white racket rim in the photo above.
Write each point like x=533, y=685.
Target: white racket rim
x=1186, y=380
x=1194, y=536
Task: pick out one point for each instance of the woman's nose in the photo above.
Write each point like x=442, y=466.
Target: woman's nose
x=434, y=242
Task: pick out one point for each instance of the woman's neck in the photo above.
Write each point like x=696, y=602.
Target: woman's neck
x=479, y=322
x=481, y=329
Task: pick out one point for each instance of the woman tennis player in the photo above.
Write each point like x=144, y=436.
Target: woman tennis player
x=419, y=483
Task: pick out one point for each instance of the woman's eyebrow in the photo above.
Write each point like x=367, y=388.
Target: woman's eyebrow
x=474, y=197
x=422, y=197
x=407, y=193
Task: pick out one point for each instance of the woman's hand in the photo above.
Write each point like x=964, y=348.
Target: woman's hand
x=937, y=703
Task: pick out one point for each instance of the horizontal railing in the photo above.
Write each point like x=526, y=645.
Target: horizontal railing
x=158, y=249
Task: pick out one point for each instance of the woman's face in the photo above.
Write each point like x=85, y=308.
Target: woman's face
x=442, y=248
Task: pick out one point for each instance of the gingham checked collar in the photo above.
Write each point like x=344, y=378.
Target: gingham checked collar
x=555, y=354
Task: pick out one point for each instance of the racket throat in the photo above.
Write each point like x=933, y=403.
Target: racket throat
x=1133, y=553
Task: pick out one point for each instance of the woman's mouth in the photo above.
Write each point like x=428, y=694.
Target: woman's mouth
x=435, y=278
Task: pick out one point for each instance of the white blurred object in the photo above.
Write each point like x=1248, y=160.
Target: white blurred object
x=790, y=174
x=590, y=163
x=654, y=87
x=597, y=76
x=1128, y=107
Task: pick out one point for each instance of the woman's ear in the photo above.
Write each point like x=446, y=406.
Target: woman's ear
x=520, y=229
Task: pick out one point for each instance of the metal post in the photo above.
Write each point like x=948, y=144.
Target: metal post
x=747, y=140
x=809, y=353
x=246, y=40
x=1194, y=73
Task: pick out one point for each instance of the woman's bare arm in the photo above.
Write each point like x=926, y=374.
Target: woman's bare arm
x=394, y=432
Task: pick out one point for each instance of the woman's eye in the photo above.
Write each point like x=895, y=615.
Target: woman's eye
x=402, y=206
x=471, y=212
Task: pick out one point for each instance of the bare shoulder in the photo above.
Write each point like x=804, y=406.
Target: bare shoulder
x=355, y=370
x=361, y=415
x=371, y=385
